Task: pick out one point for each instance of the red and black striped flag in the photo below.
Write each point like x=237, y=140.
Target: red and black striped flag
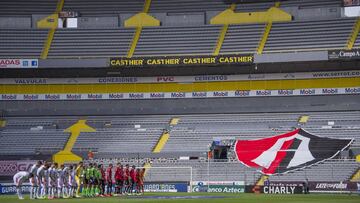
x=287, y=152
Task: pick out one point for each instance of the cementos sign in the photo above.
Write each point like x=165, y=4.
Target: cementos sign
x=180, y=95
x=19, y=63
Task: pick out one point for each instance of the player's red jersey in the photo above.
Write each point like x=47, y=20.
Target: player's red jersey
x=138, y=177
x=119, y=174
x=102, y=171
x=126, y=173
x=108, y=174
x=133, y=174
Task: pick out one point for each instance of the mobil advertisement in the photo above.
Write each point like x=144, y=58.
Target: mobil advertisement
x=166, y=187
x=180, y=95
x=219, y=186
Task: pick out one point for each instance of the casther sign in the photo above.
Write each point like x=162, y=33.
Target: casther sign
x=336, y=187
x=275, y=188
x=234, y=59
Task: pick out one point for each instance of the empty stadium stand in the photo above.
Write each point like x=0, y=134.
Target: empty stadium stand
x=336, y=170
x=193, y=133
x=113, y=7
x=177, y=40
x=26, y=142
x=183, y=6
x=90, y=43
x=309, y=35
x=103, y=8
x=302, y=4
x=299, y=35
x=75, y=43
x=21, y=7
x=18, y=43
x=284, y=37
x=242, y=38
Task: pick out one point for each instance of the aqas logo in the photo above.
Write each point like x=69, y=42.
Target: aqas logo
x=7, y=62
x=287, y=152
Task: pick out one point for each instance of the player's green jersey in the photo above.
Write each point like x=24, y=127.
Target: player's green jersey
x=92, y=172
x=98, y=174
x=83, y=173
x=87, y=173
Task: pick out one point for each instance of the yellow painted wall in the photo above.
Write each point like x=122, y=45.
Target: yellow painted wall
x=176, y=87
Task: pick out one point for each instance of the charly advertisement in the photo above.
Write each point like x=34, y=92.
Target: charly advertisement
x=276, y=188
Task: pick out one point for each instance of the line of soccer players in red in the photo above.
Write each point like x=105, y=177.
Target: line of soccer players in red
x=127, y=180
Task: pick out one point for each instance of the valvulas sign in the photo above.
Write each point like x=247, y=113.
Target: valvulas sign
x=181, y=61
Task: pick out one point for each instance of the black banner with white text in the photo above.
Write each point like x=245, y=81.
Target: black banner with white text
x=123, y=62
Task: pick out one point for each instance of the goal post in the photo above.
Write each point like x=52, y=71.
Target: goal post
x=169, y=175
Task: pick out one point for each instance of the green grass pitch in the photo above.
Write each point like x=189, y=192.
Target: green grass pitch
x=229, y=198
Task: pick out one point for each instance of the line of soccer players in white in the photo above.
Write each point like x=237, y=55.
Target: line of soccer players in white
x=67, y=181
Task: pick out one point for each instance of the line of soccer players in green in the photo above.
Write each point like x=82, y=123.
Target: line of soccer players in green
x=96, y=181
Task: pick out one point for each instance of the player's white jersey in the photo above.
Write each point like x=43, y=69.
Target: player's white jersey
x=41, y=173
x=33, y=170
x=52, y=176
x=62, y=177
x=47, y=176
x=66, y=172
x=72, y=181
x=53, y=173
x=61, y=173
x=20, y=177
